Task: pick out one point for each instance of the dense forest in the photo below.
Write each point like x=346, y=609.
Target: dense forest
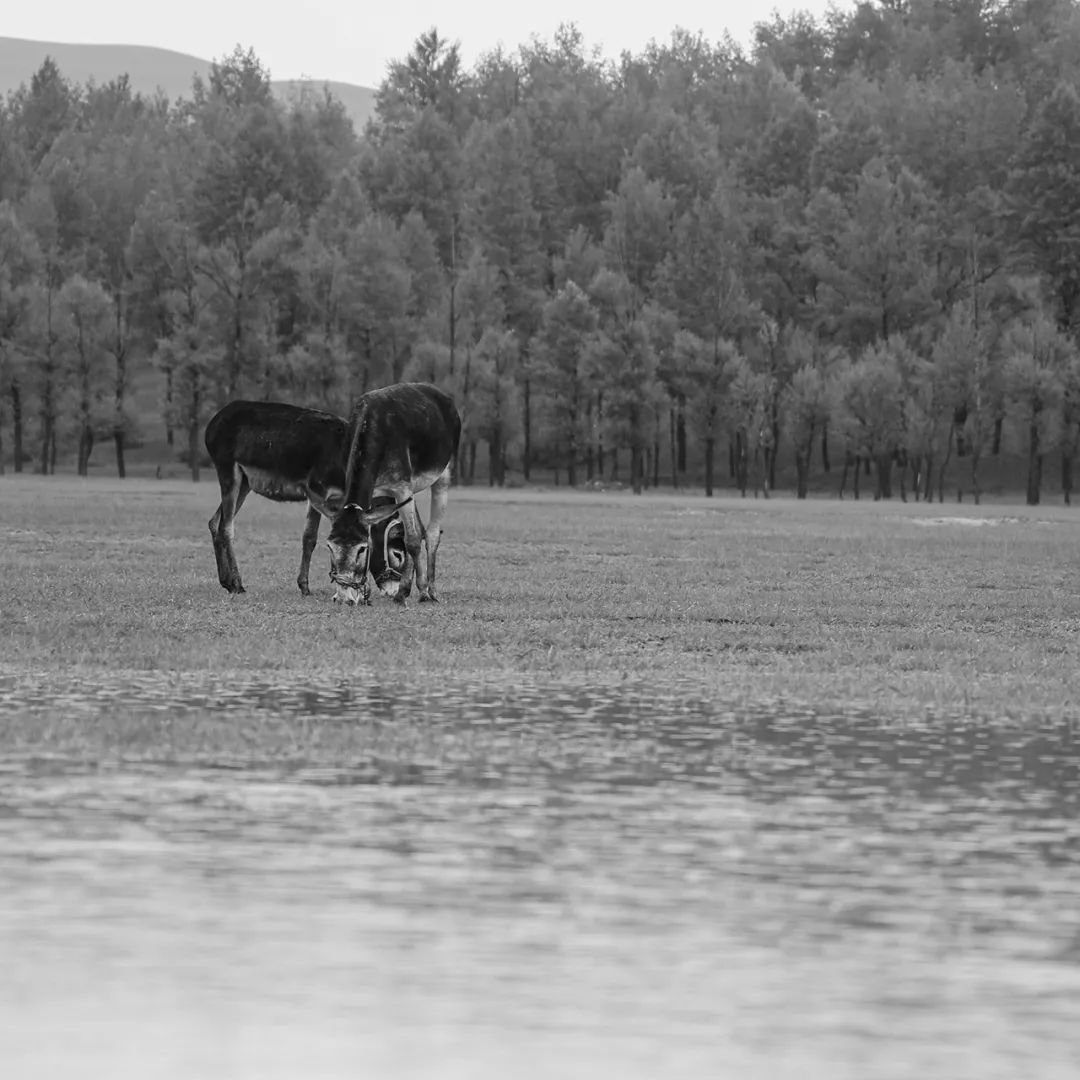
x=856, y=248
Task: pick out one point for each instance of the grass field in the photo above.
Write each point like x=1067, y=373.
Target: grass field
x=900, y=609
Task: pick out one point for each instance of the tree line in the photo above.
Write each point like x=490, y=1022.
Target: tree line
x=854, y=248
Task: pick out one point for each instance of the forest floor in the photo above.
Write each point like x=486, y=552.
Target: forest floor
x=901, y=610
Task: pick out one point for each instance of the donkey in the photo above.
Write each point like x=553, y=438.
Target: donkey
x=288, y=454
x=404, y=439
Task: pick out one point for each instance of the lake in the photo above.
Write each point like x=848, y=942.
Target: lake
x=522, y=878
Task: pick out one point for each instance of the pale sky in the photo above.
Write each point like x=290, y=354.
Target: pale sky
x=353, y=42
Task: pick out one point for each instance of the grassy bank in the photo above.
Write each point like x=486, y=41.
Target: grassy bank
x=900, y=607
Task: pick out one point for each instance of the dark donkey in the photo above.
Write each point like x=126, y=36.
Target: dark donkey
x=404, y=439
x=288, y=454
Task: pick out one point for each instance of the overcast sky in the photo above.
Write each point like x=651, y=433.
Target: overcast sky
x=353, y=41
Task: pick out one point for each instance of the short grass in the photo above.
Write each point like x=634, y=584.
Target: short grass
x=900, y=608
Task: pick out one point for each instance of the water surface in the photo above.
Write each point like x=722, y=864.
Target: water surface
x=538, y=880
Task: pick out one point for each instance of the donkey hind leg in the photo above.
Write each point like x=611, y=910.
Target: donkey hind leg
x=311, y=535
x=234, y=489
x=221, y=556
x=440, y=496
x=241, y=494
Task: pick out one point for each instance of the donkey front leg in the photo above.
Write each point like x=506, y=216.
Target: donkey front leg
x=234, y=489
x=311, y=535
x=440, y=496
x=414, y=547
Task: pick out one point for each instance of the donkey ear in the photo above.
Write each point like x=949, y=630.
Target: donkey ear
x=379, y=514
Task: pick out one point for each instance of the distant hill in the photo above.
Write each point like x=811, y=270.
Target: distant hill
x=150, y=69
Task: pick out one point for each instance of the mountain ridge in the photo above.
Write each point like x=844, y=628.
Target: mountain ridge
x=151, y=68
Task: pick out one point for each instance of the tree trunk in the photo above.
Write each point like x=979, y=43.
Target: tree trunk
x=121, y=393
x=600, y=439
x=47, y=423
x=945, y=464
x=193, y=434
x=710, y=454
x=825, y=449
x=17, y=425
x=674, y=449
x=590, y=449
x=472, y=462
x=495, y=460
x=526, y=451
x=193, y=449
x=771, y=452
x=636, y=468
x=169, y=440
x=235, y=347
x=884, y=477
x=802, y=473
x=1067, y=476
x=680, y=436
x=453, y=305
x=1034, y=477
x=761, y=472
x=86, y=446
x=742, y=465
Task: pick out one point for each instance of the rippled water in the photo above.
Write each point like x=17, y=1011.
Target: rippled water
x=529, y=881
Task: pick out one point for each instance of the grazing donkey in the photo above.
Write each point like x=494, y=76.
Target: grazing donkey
x=287, y=454
x=404, y=439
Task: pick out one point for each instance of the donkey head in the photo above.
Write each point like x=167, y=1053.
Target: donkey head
x=363, y=540
x=389, y=559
